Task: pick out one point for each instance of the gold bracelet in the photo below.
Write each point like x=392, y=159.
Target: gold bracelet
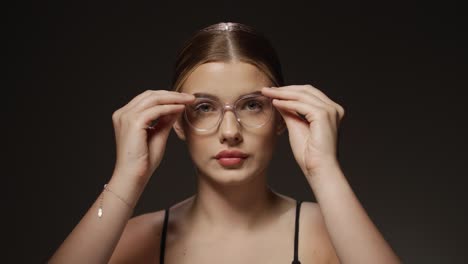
x=100, y=212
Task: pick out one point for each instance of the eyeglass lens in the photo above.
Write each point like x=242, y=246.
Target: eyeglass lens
x=205, y=113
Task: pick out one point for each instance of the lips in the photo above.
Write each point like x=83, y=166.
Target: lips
x=226, y=154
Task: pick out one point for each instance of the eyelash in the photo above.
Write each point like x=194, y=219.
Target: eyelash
x=201, y=104
x=197, y=107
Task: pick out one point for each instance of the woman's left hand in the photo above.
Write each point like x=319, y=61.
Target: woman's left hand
x=312, y=120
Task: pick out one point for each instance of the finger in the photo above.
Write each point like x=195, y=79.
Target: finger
x=149, y=115
x=308, y=111
x=130, y=104
x=309, y=89
x=163, y=127
x=161, y=99
x=137, y=99
x=288, y=94
x=288, y=115
x=161, y=123
x=327, y=99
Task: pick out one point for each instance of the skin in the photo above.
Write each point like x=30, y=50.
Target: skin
x=234, y=210
x=235, y=217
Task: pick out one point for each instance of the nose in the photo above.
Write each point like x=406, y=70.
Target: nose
x=229, y=129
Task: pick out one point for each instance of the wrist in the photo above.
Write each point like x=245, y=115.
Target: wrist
x=125, y=190
x=130, y=178
x=326, y=180
x=326, y=167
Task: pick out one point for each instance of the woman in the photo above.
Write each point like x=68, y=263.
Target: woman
x=229, y=105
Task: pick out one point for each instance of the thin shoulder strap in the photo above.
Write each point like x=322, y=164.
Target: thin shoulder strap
x=163, y=237
x=296, y=233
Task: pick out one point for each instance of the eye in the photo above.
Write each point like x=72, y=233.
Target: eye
x=204, y=107
x=253, y=105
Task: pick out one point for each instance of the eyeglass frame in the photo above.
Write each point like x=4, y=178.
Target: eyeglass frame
x=231, y=107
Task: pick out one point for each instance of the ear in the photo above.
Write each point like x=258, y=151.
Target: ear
x=179, y=129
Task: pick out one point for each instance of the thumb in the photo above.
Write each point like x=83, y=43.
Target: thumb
x=287, y=116
x=161, y=130
x=290, y=115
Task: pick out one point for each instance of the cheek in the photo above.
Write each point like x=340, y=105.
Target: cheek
x=264, y=140
x=201, y=149
x=197, y=144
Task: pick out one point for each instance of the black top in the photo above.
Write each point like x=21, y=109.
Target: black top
x=296, y=234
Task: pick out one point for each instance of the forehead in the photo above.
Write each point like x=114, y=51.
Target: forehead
x=227, y=81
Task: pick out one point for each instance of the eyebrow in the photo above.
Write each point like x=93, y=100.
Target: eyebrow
x=214, y=97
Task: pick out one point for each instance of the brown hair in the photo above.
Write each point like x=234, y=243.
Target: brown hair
x=226, y=42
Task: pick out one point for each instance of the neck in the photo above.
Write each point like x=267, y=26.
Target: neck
x=231, y=207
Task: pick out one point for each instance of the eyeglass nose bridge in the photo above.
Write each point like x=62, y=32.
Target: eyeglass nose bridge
x=228, y=107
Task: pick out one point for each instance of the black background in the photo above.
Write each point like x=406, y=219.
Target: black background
x=398, y=68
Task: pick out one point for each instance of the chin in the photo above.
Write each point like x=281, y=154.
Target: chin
x=239, y=176
x=232, y=177
x=228, y=175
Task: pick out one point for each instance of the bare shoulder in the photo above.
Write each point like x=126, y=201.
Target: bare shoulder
x=317, y=246
x=140, y=239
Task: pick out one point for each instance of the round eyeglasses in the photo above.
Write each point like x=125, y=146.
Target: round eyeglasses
x=251, y=111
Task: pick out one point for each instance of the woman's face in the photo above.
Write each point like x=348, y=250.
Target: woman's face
x=228, y=82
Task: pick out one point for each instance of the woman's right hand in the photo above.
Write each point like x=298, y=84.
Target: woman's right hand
x=139, y=150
